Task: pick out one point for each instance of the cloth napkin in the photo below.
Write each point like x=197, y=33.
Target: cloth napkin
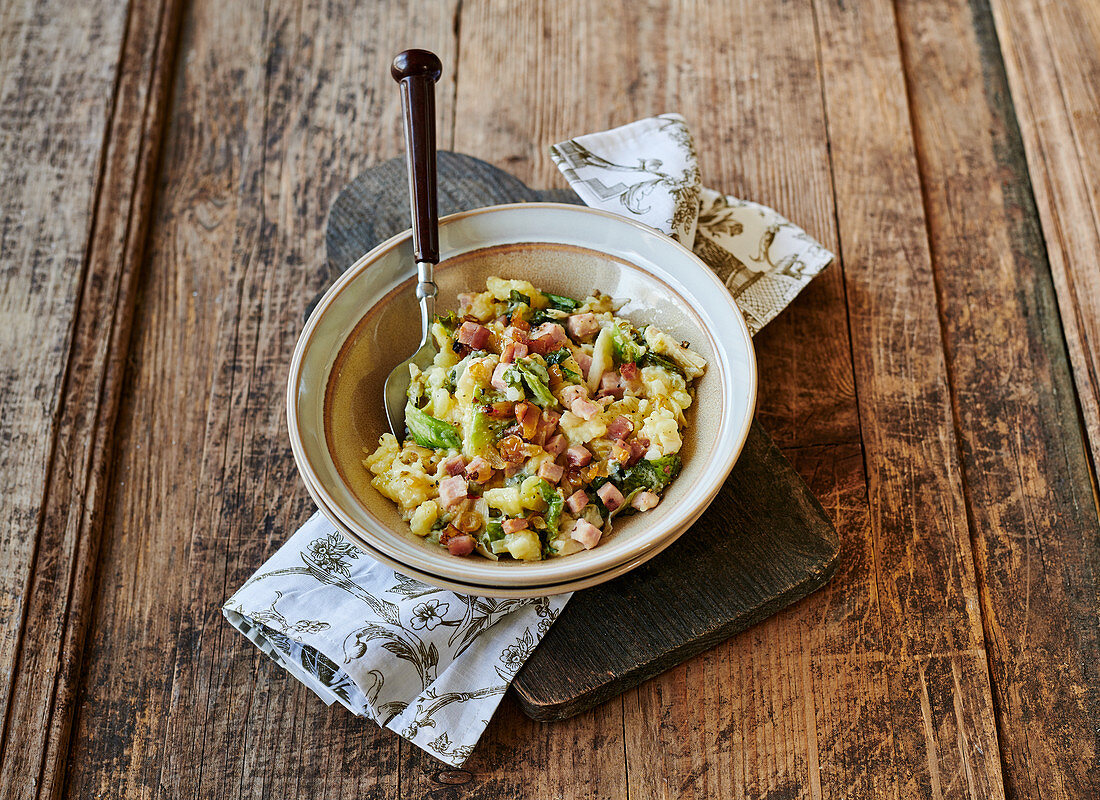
x=648, y=171
x=431, y=664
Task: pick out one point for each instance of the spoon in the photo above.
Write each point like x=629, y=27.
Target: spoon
x=416, y=71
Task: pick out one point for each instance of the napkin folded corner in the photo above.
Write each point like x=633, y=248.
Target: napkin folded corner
x=648, y=171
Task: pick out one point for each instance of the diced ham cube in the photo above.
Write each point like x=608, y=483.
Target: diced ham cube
x=517, y=334
x=512, y=470
x=551, y=472
x=513, y=525
x=611, y=496
x=611, y=383
x=479, y=470
x=498, y=377
x=638, y=448
x=508, y=354
x=452, y=491
x=574, y=391
x=546, y=338
x=606, y=400
x=584, y=361
x=454, y=465
x=629, y=371
x=461, y=545
x=619, y=428
x=557, y=444
x=585, y=409
x=581, y=326
x=473, y=335
x=578, y=455
x=576, y=501
x=586, y=533
x=643, y=501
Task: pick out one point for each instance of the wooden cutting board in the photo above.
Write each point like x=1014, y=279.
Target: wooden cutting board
x=764, y=543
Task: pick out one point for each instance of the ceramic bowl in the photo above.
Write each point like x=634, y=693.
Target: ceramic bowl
x=368, y=322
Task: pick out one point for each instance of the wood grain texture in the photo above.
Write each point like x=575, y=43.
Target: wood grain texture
x=54, y=120
x=1052, y=58
x=936, y=668
x=812, y=712
x=275, y=107
x=1029, y=492
x=62, y=584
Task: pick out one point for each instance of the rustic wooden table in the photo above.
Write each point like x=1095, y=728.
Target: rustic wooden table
x=166, y=168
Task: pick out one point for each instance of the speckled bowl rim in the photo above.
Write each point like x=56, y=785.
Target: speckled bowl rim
x=503, y=592
x=731, y=434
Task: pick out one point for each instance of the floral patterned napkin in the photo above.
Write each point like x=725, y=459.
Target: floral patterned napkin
x=418, y=660
x=648, y=171
x=431, y=664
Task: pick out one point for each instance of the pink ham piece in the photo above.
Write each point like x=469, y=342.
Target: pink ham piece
x=556, y=446
x=513, y=525
x=611, y=383
x=473, y=335
x=461, y=545
x=452, y=491
x=584, y=361
x=479, y=470
x=454, y=465
x=549, y=471
x=518, y=335
x=643, y=501
x=585, y=409
x=573, y=392
x=546, y=338
x=586, y=533
x=619, y=428
x=498, y=377
x=577, y=501
x=581, y=326
x=508, y=354
x=612, y=497
x=578, y=455
x=512, y=470
x=638, y=448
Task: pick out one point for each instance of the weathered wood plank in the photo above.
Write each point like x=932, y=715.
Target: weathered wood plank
x=1029, y=493
x=1052, y=58
x=805, y=710
x=62, y=585
x=54, y=118
x=936, y=668
x=276, y=105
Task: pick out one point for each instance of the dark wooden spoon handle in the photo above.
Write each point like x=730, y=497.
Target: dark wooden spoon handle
x=417, y=71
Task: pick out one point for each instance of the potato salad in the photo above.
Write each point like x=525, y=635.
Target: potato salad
x=540, y=421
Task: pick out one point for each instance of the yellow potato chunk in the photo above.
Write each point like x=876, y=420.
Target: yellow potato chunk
x=524, y=545
x=506, y=499
x=529, y=494
x=424, y=517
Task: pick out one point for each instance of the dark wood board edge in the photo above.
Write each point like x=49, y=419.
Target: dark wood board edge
x=553, y=700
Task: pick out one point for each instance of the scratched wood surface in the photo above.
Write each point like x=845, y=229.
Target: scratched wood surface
x=167, y=168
